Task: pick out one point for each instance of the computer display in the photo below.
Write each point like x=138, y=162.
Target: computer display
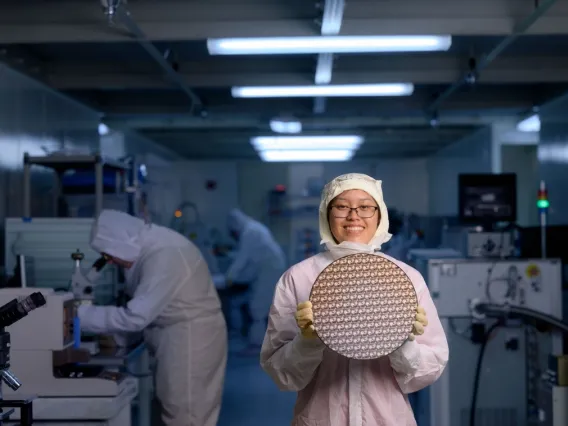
x=487, y=198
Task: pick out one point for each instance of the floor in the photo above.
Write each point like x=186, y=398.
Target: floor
x=251, y=398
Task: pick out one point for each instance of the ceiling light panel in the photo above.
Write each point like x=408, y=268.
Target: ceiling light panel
x=327, y=44
x=282, y=126
x=306, y=155
x=530, y=124
x=344, y=90
x=294, y=143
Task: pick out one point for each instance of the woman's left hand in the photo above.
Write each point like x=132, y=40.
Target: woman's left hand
x=420, y=322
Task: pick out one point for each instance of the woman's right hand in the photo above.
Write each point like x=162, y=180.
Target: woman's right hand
x=305, y=320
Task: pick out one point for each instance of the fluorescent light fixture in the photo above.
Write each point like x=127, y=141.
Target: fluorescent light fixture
x=103, y=129
x=326, y=44
x=306, y=155
x=332, y=16
x=310, y=143
x=553, y=153
x=282, y=126
x=531, y=124
x=343, y=90
x=324, y=68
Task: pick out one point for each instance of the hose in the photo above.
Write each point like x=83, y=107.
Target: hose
x=501, y=312
x=526, y=314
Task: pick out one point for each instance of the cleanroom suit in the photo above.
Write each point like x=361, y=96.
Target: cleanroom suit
x=334, y=390
x=175, y=303
x=260, y=261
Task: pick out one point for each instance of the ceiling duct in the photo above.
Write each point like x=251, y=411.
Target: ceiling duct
x=484, y=62
x=116, y=13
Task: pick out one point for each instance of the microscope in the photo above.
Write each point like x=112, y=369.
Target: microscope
x=82, y=284
x=11, y=313
x=53, y=364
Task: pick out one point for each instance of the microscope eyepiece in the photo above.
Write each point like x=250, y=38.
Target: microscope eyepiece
x=15, y=310
x=33, y=301
x=100, y=263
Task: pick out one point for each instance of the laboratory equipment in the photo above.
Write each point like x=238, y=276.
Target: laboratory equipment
x=49, y=241
x=476, y=243
x=10, y=313
x=23, y=272
x=364, y=306
x=548, y=401
x=542, y=205
x=486, y=199
x=489, y=244
x=68, y=386
x=82, y=284
x=79, y=174
x=307, y=240
x=303, y=228
x=277, y=201
x=506, y=397
x=49, y=362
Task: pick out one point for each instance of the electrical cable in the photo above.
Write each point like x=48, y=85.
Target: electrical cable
x=478, y=371
x=526, y=314
x=501, y=312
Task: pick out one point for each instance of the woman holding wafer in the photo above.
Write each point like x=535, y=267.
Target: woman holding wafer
x=343, y=330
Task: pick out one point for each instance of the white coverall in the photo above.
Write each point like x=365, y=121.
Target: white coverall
x=176, y=305
x=260, y=261
x=334, y=390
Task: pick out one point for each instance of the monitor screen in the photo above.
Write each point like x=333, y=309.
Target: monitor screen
x=487, y=198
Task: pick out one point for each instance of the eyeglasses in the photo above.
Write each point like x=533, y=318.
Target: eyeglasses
x=364, y=212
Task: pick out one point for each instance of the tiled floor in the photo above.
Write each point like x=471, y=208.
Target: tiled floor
x=251, y=398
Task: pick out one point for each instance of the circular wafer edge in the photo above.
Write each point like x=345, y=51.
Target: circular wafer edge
x=359, y=255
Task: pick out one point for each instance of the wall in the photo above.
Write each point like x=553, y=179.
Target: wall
x=504, y=133
x=522, y=160
x=213, y=204
x=472, y=154
x=404, y=181
x=255, y=180
x=246, y=184
x=36, y=119
x=553, y=161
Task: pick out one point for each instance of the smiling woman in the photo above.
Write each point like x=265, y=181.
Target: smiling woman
x=353, y=216
x=332, y=389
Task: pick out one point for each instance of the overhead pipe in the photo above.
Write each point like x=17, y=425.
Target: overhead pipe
x=117, y=12
x=518, y=30
x=332, y=20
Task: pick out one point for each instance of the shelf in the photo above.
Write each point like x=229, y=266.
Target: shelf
x=62, y=162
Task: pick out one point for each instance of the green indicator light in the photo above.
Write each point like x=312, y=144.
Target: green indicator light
x=542, y=204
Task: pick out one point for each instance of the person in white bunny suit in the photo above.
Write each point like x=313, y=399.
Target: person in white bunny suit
x=334, y=390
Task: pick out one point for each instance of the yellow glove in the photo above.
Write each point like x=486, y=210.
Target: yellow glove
x=305, y=320
x=419, y=324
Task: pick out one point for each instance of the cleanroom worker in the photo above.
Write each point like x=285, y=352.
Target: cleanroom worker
x=259, y=261
x=175, y=304
x=334, y=390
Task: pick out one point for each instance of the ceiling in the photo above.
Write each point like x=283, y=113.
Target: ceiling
x=71, y=46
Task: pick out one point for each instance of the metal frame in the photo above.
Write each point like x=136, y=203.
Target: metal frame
x=61, y=163
x=518, y=31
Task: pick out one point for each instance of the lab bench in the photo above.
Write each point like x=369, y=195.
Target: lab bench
x=133, y=360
